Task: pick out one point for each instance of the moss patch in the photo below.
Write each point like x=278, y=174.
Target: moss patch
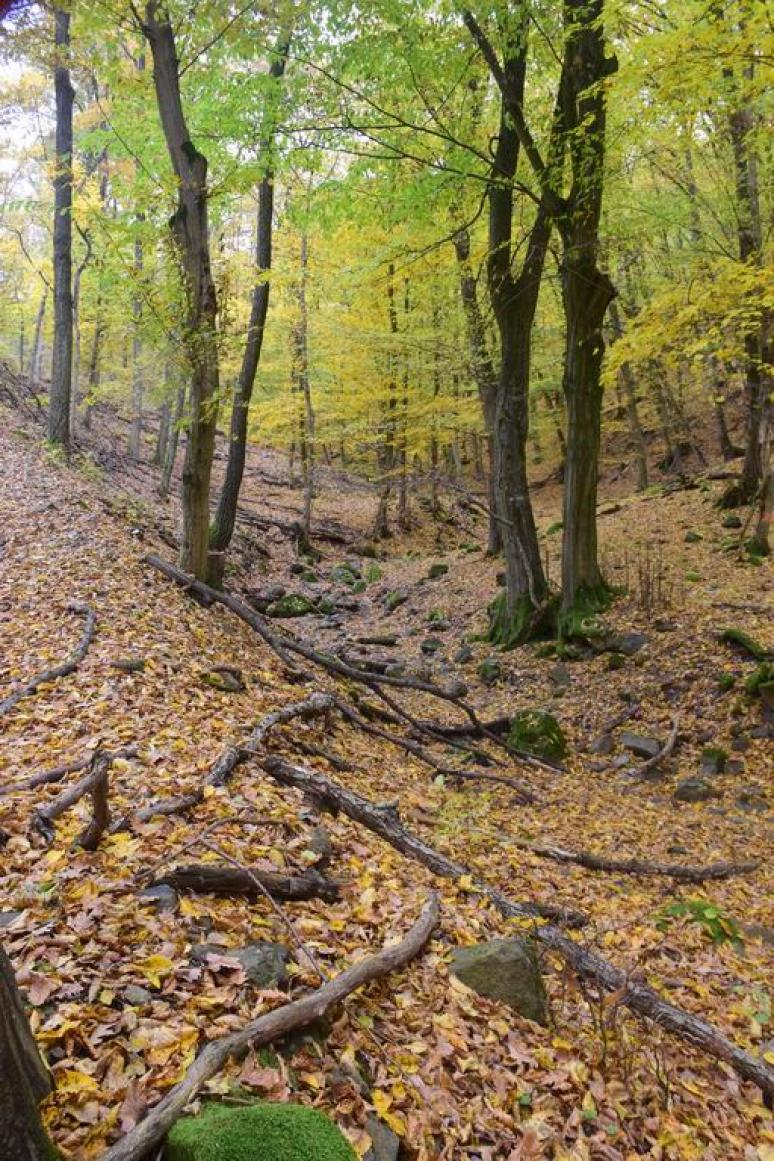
x=537, y=732
x=745, y=642
x=581, y=621
x=259, y=1132
x=292, y=605
x=526, y=623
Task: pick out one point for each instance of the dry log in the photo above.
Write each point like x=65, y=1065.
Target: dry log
x=44, y=817
x=639, y=867
x=385, y=821
x=224, y=766
x=214, y=879
x=148, y=1134
x=100, y=813
x=590, y=966
x=57, y=773
x=56, y=671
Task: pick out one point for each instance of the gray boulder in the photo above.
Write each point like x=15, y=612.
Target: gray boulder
x=385, y=1145
x=263, y=962
x=505, y=970
x=694, y=790
x=640, y=745
x=160, y=896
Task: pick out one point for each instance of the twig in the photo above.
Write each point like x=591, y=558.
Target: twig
x=666, y=750
x=56, y=671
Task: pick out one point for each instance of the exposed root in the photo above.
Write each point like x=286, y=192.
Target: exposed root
x=56, y=671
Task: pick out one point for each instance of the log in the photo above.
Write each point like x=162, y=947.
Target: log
x=684, y=874
x=385, y=821
x=588, y=965
x=24, y=1079
x=63, y=669
x=44, y=817
x=57, y=773
x=216, y=879
x=148, y=1134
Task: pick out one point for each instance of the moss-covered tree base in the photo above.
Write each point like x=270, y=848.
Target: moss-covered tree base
x=580, y=621
x=259, y=1132
x=528, y=622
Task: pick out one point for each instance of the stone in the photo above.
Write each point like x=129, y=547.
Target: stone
x=395, y=599
x=463, y=655
x=490, y=670
x=639, y=744
x=615, y=661
x=385, y=1145
x=277, y=592
x=677, y=849
x=559, y=676
x=664, y=625
x=626, y=643
x=386, y=639
x=291, y=605
x=505, y=970
x=694, y=790
x=762, y=731
x=436, y=571
x=263, y=1131
x=128, y=664
x=135, y=996
x=263, y=962
x=752, y=798
x=343, y=574
x=162, y=897
x=693, y=537
x=604, y=744
x=225, y=679
x=9, y=917
x=713, y=760
x=735, y=766
x=537, y=732
x=431, y=645
x=731, y=521
x=320, y=843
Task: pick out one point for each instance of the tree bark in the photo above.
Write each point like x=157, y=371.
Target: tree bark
x=636, y=433
x=223, y=879
x=24, y=1079
x=37, y=341
x=61, y=371
x=190, y=231
x=226, y=513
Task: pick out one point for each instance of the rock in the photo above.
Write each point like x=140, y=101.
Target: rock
x=694, y=790
x=664, y=625
x=9, y=917
x=537, y=732
x=225, y=678
x=615, y=661
x=626, y=643
x=464, y=654
x=161, y=896
x=385, y=1145
x=639, y=744
x=128, y=664
x=365, y=549
x=693, y=537
x=490, y=670
x=713, y=760
x=431, y=645
x=604, y=744
x=297, y=567
x=135, y=996
x=277, y=592
x=762, y=731
x=263, y=1131
x=291, y=605
x=505, y=970
x=677, y=849
x=386, y=639
x=395, y=599
x=263, y=962
x=752, y=798
x=759, y=931
x=559, y=676
x=343, y=574
x=436, y=571
x=320, y=843
x=731, y=521
x=734, y=766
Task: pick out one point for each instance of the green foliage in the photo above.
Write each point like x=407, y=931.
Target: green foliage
x=745, y=642
x=762, y=676
x=718, y=926
x=259, y=1132
x=537, y=732
x=291, y=605
x=372, y=573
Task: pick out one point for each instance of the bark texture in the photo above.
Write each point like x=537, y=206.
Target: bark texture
x=62, y=364
x=24, y=1079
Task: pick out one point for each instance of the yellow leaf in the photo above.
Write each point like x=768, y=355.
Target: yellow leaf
x=154, y=967
x=71, y=1080
x=381, y=1102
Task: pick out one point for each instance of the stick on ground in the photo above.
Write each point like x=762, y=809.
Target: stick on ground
x=56, y=671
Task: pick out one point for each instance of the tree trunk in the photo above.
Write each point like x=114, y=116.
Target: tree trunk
x=586, y=294
x=61, y=371
x=170, y=450
x=190, y=231
x=306, y=414
x=225, y=515
x=37, y=341
x=24, y=1079
x=636, y=433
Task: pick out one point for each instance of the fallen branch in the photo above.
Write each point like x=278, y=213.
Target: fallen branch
x=44, y=817
x=214, y=879
x=62, y=670
x=587, y=964
x=637, y=867
x=148, y=1134
x=663, y=753
x=57, y=773
x=224, y=766
x=100, y=808
x=384, y=820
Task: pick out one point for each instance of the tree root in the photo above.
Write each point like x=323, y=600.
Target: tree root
x=384, y=820
x=642, y=1000
x=148, y=1134
x=62, y=670
x=637, y=867
x=214, y=879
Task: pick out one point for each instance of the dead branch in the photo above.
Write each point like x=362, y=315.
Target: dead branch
x=270, y=1027
x=589, y=966
x=57, y=773
x=385, y=821
x=44, y=817
x=100, y=808
x=215, y=879
x=56, y=671
x=224, y=766
x=666, y=750
x=637, y=866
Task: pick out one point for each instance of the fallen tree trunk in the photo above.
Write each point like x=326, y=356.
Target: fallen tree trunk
x=586, y=963
x=216, y=879
x=64, y=669
x=148, y=1134
x=637, y=866
x=384, y=820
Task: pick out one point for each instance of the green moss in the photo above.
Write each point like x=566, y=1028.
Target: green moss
x=745, y=642
x=526, y=623
x=581, y=621
x=615, y=661
x=395, y=599
x=726, y=681
x=537, y=732
x=292, y=605
x=552, y=529
x=763, y=675
x=372, y=573
x=342, y=574
x=436, y=571
x=693, y=577
x=259, y=1132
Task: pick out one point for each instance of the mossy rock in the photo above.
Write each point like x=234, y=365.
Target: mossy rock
x=259, y=1132
x=538, y=732
x=615, y=661
x=344, y=574
x=395, y=599
x=436, y=571
x=762, y=676
x=292, y=605
x=744, y=642
x=490, y=670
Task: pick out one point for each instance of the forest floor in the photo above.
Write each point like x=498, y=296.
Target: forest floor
x=118, y=1006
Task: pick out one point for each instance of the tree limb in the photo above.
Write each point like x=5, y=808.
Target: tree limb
x=594, y=862
x=56, y=671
